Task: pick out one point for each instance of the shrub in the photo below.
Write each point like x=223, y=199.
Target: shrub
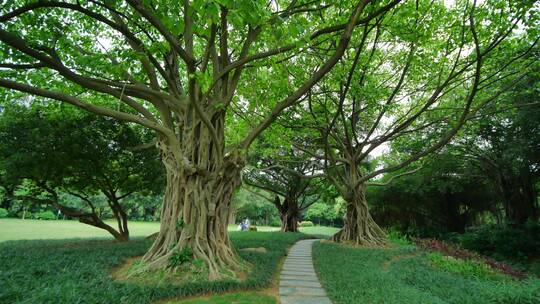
x=3, y=213
x=464, y=267
x=45, y=215
x=353, y=275
x=427, y=232
x=306, y=224
x=398, y=238
x=502, y=241
x=455, y=251
x=27, y=215
x=180, y=257
x=275, y=222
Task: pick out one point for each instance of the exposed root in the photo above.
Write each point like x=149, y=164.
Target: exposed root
x=134, y=271
x=360, y=228
x=195, y=212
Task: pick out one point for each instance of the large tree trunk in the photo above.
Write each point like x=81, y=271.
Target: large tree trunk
x=288, y=213
x=454, y=221
x=121, y=217
x=519, y=199
x=94, y=220
x=232, y=216
x=517, y=193
x=359, y=227
x=289, y=216
x=289, y=222
x=197, y=203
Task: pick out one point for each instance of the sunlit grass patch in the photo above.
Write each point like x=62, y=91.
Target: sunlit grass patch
x=79, y=271
x=232, y=298
x=464, y=267
x=404, y=274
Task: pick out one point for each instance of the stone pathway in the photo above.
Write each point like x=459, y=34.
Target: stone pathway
x=298, y=283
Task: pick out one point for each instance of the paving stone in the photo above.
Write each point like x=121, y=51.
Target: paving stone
x=303, y=273
x=299, y=278
x=292, y=261
x=298, y=281
x=300, y=269
x=298, y=261
x=302, y=260
x=301, y=291
x=291, y=266
x=304, y=300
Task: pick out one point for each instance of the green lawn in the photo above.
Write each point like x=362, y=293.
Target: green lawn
x=78, y=271
x=405, y=275
x=232, y=298
x=35, y=254
x=320, y=230
x=17, y=229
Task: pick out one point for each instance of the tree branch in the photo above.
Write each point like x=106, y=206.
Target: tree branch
x=83, y=105
x=394, y=177
x=326, y=67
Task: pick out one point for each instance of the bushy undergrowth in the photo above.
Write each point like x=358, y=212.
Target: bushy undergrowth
x=306, y=224
x=453, y=250
x=518, y=246
x=498, y=241
x=3, y=213
x=503, y=241
x=78, y=271
x=44, y=215
x=180, y=257
x=472, y=268
x=403, y=275
x=398, y=238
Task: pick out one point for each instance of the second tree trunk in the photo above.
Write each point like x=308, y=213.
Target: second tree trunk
x=359, y=227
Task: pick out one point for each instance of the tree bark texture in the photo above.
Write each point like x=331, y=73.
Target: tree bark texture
x=519, y=199
x=289, y=213
x=359, y=227
x=197, y=202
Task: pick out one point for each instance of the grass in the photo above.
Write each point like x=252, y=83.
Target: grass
x=321, y=231
x=78, y=271
x=17, y=229
x=533, y=266
x=40, y=266
x=404, y=274
x=464, y=267
x=236, y=298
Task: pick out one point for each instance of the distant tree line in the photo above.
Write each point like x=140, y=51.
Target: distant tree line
x=489, y=174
